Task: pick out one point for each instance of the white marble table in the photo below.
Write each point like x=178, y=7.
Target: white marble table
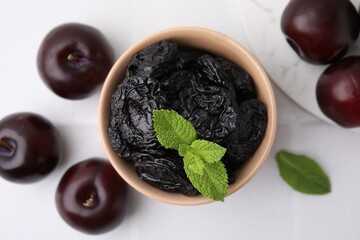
x=266, y=208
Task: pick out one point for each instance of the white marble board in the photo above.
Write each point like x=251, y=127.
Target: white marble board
x=261, y=25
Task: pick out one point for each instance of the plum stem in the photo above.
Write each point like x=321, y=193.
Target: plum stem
x=76, y=59
x=6, y=145
x=73, y=58
x=90, y=202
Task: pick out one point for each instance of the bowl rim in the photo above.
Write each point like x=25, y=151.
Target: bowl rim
x=105, y=95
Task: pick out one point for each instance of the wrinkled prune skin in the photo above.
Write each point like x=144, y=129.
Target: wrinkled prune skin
x=131, y=126
x=204, y=107
x=177, y=81
x=211, y=73
x=241, y=80
x=187, y=57
x=248, y=135
x=164, y=172
x=153, y=61
x=216, y=96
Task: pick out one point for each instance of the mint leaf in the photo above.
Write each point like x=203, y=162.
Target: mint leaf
x=184, y=149
x=302, y=173
x=212, y=183
x=195, y=164
x=172, y=129
x=202, y=158
x=210, y=152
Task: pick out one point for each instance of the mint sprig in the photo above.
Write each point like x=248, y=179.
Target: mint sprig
x=172, y=130
x=202, y=158
x=302, y=173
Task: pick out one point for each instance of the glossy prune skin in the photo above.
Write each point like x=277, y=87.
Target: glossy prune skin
x=132, y=135
x=248, y=135
x=320, y=31
x=164, y=170
x=91, y=197
x=30, y=147
x=210, y=73
x=337, y=92
x=153, y=61
x=206, y=90
x=131, y=124
x=74, y=59
x=240, y=79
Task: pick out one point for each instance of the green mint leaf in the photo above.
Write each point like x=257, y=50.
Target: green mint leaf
x=202, y=158
x=302, y=173
x=195, y=164
x=172, y=129
x=212, y=181
x=210, y=152
x=184, y=150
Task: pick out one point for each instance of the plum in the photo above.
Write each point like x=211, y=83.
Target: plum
x=30, y=147
x=320, y=31
x=74, y=59
x=91, y=197
x=338, y=92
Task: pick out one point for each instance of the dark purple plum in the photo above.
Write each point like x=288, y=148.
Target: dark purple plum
x=29, y=147
x=338, y=92
x=320, y=31
x=74, y=59
x=91, y=196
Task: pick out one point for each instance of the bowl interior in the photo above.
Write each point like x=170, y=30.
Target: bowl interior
x=220, y=45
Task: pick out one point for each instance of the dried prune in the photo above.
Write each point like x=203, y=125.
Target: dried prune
x=154, y=61
x=177, y=81
x=210, y=110
x=210, y=73
x=186, y=57
x=131, y=127
x=241, y=80
x=165, y=172
x=248, y=135
x=216, y=96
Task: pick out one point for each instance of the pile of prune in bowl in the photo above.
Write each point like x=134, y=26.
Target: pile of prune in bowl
x=215, y=85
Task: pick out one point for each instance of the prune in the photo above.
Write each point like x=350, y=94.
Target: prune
x=210, y=110
x=131, y=126
x=216, y=96
x=242, y=81
x=153, y=61
x=176, y=82
x=248, y=134
x=211, y=73
x=164, y=172
x=186, y=57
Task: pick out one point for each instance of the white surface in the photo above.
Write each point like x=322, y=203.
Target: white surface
x=265, y=209
x=260, y=20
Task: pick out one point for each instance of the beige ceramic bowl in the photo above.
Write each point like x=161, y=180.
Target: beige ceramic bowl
x=220, y=45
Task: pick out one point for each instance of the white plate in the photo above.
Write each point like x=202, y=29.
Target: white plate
x=261, y=24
